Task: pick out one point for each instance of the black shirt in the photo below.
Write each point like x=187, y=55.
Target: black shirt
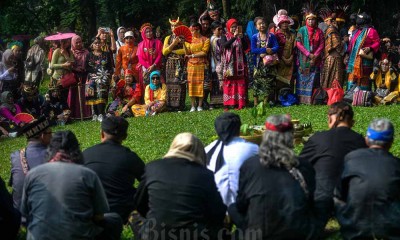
x=325, y=151
x=180, y=194
x=117, y=167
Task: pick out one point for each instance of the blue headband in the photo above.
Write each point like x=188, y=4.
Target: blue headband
x=152, y=86
x=385, y=136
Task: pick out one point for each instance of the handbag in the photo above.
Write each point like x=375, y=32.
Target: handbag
x=335, y=93
x=270, y=60
x=319, y=97
x=68, y=80
x=286, y=97
x=348, y=95
x=382, y=92
x=362, y=98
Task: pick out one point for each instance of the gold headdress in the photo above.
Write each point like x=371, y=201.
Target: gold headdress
x=175, y=22
x=145, y=25
x=341, y=11
x=309, y=10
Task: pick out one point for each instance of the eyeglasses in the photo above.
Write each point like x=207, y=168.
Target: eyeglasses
x=155, y=78
x=128, y=37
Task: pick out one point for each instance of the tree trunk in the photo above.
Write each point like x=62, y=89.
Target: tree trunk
x=226, y=6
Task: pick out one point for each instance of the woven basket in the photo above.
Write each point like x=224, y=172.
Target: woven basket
x=255, y=138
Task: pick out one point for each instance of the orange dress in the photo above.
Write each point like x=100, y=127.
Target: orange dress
x=127, y=59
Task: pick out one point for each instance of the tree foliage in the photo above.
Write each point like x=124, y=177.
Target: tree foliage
x=85, y=16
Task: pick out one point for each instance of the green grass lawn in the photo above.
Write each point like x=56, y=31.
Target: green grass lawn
x=150, y=137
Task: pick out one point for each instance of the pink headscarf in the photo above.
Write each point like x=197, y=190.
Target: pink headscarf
x=228, y=27
x=145, y=58
x=79, y=54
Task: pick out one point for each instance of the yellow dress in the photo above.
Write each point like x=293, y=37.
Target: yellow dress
x=197, y=67
x=151, y=107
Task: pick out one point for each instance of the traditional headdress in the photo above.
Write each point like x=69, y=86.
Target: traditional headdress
x=128, y=72
x=211, y=6
x=327, y=14
x=309, y=10
x=280, y=13
x=175, y=22
x=284, y=18
x=145, y=25
x=341, y=11
x=29, y=90
x=36, y=127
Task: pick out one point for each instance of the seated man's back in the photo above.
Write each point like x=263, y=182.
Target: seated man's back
x=117, y=166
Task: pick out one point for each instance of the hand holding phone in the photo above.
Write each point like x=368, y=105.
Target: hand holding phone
x=240, y=29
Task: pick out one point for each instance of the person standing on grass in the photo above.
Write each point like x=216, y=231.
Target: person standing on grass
x=233, y=63
x=263, y=44
x=368, y=199
x=64, y=200
x=197, y=66
x=310, y=43
x=38, y=134
x=117, y=166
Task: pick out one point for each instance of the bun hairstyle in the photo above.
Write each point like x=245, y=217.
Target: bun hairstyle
x=65, y=142
x=343, y=111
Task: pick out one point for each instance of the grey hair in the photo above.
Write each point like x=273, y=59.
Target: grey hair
x=276, y=149
x=380, y=125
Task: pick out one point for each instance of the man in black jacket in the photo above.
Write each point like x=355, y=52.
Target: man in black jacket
x=326, y=150
x=368, y=201
x=117, y=166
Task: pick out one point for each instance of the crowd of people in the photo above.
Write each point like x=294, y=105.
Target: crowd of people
x=214, y=61
x=230, y=189
x=201, y=192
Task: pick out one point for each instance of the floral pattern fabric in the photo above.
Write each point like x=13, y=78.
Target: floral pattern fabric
x=98, y=80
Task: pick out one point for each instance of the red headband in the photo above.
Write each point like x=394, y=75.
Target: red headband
x=283, y=127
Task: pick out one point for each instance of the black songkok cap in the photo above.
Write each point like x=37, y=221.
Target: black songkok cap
x=35, y=127
x=116, y=126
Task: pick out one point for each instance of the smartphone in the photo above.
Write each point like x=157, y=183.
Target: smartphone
x=240, y=29
x=106, y=29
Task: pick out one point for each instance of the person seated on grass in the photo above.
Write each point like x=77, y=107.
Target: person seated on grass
x=385, y=81
x=127, y=93
x=64, y=200
x=38, y=134
x=154, y=97
x=178, y=196
x=117, y=166
x=325, y=150
x=275, y=196
x=8, y=110
x=368, y=197
x=31, y=101
x=55, y=109
x=10, y=218
x=226, y=155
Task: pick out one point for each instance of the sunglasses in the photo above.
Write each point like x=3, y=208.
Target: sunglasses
x=128, y=37
x=155, y=78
